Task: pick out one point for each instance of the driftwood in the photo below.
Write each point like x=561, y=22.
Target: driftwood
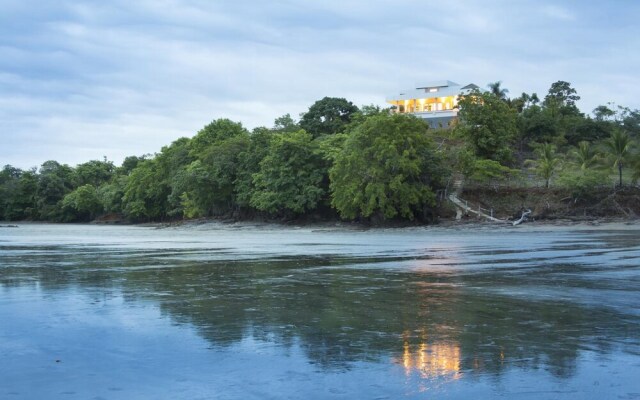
x=463, y=208
x=524, y=217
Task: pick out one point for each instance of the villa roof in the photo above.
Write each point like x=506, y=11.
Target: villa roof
x=440, y=89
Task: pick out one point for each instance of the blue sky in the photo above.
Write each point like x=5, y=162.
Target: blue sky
x=80, y=80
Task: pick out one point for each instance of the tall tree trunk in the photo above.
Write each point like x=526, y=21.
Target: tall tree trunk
x=620, y=173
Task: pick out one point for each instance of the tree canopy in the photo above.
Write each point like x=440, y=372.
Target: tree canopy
x=328, y=116
x=387, y=169
x=339, y=161
x=489, y=124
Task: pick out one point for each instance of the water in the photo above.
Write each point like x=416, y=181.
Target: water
x=228, y=312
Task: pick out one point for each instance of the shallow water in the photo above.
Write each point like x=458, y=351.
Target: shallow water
x=225, y=312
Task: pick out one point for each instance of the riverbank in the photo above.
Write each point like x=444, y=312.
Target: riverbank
x=552, y=204
x=560, y=224
x=598, y=209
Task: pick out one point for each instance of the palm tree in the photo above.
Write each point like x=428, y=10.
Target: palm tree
x=619, y=146
x=635, y=171
x=585, y=155
x=547, y=163
x=501, y=93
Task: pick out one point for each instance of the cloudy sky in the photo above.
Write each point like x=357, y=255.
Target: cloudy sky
x=80, y=80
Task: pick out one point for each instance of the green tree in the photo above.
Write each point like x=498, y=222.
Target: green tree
x=149, y=184
x=489, y=124
x=603, y=113
x=497, y=90
x=213, y=134
x=538, y=125
x=562, y=97
x=585, y=156
x=291, y=175
x=328, y=116
x=55, y=180
x=111, y=194
x=630, y=121
x=578, y=128
x=147, y=190
x=82, y=204
x=387, y=169
x=635, y=168
x=249, y=164
x=619, y=147
x=285, y=124
x=146, y=193
x=129, y=163
x=20, y=196
x=94, y=172
x=9, y=182
x=484, y=171
x=205, y=186
x=547, y=163
x=524, y=101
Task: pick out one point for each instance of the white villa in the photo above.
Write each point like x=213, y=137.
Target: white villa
x=436, y=102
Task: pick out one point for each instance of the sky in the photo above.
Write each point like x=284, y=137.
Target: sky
x=83, y=80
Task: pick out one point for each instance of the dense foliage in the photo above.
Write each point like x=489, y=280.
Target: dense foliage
x=362, y=164
x=387, y=168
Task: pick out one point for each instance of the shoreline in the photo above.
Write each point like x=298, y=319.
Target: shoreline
x=600, y=224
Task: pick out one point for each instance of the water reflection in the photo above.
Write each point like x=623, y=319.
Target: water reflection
x=431, y=360
x=438, y=315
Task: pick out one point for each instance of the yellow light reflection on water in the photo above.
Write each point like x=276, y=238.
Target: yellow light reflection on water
x=432, y=360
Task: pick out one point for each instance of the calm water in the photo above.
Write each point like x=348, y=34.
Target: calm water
x=224, y=312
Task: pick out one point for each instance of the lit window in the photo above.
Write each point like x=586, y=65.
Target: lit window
x=433, y=90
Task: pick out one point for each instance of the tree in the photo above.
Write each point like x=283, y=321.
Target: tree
x=619, y=146
x=9, y=181
x=635, y=169
x=146, y=192
x=585, y=155
x=291, y=175
x=547, y=163
x=538, y=125
x=111, y=194
x=524, y=101
x=327, y=116
x=206, y=186
x=129, y=163
x=561, y=95
x=55, y=180
x=630, y=121
x=214, y=133
x=94, y=172
x=18, y=194
x=489, y=124
x=498, y=91
x=249, y=164
x=285, y=124
x=577, y=129
x=82, y=204
x=603, y=113
x=387, y=169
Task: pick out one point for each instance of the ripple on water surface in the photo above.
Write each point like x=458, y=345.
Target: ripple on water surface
x=255, y=312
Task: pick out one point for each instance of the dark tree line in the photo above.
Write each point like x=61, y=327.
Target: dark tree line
x=337, y=161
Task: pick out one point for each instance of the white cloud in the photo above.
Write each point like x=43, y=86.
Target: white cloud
x=558, y=12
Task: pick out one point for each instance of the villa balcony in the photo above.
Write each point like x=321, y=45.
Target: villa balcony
x=451, y=113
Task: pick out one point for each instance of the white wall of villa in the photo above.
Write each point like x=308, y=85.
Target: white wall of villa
x=437, y=102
